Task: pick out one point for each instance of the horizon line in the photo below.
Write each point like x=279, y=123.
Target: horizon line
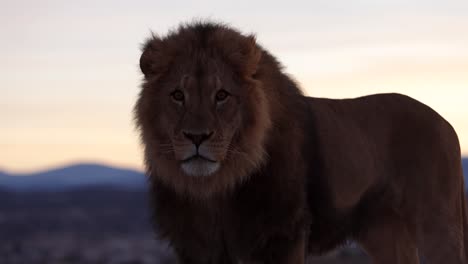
x=67, y=164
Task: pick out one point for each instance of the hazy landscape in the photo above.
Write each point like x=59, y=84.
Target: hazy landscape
x=89, y=213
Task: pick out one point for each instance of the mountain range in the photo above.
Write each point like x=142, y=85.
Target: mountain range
x=74, y=176
x=85, y=175
x=465, y=168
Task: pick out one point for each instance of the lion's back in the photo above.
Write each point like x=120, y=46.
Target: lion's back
x=384, y=139
x=393, y=120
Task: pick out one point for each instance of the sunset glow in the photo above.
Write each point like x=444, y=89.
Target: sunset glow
x=69, y=71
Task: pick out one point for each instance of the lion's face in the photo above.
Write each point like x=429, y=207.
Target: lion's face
x=203, y=117
x=198, y=116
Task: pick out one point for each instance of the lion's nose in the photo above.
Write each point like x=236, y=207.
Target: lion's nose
x=198, y=139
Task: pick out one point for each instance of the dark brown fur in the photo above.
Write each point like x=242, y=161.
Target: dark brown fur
x=383, y=170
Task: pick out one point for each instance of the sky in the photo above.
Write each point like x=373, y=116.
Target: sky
x=69, y=72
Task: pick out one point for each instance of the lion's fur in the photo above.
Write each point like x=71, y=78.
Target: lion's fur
x=383, y=170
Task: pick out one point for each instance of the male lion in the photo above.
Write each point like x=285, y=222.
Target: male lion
x=246, y=169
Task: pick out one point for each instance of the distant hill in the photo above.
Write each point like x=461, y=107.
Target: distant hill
x=465, y=167
x=74, y=176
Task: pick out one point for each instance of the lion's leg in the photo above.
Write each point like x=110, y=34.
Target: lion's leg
x=282, y=251
x=389, y=242
x=291, y=252
x=297, y=254
x=443, y=233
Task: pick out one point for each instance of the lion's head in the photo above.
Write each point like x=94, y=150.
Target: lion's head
x=202, y=113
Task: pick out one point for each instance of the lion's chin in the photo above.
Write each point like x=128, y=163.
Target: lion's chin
x=199, y=167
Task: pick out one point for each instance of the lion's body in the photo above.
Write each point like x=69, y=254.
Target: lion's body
x=383, y=170
x=387, y=160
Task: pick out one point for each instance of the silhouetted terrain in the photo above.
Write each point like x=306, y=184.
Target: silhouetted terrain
x=465, y=167
x=73, y=176
x=88, y=225
x=65, y=217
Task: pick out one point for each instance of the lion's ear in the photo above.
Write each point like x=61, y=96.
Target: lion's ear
x=253, y=55
x=244, y=54
x=152, y=60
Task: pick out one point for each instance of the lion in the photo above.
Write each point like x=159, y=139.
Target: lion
x=244, y=168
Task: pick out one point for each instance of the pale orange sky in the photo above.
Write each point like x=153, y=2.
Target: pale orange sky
x=69, y=69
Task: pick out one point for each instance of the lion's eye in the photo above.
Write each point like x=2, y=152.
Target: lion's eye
x=178, y=95
x=221, y=95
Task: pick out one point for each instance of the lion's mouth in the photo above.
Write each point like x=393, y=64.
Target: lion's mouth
x=198, y=157
x=198, y=165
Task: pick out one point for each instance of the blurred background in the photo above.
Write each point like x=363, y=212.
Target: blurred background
x=71, y=183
